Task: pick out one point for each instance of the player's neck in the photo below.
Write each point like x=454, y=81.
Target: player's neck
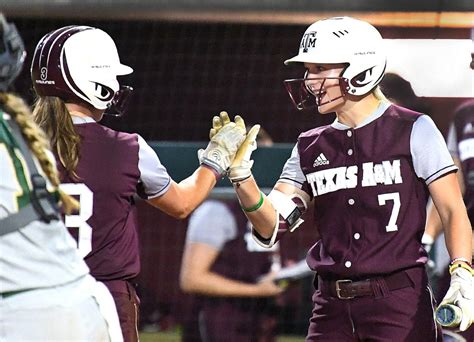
x=82, y=111
x=354, y=113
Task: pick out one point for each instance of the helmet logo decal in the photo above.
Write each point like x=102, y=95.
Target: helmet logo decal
x=308, y=41
x=103, y=92
x=363, y=78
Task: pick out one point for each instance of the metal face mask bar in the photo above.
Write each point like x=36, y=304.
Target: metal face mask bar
x=304, y=96
x=120, y=102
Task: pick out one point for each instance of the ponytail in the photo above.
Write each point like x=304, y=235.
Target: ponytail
x=52, y=115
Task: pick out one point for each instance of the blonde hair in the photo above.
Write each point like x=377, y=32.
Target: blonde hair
x=379, y=95
x=37, y=143
x=52, y=115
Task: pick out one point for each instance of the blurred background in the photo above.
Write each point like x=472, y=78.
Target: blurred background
x=194, y=58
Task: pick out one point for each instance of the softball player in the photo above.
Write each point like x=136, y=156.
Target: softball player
x=46, y=292
x=74, y=72
x=368, y=175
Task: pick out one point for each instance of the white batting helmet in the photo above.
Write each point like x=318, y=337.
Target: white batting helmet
x=345, y=40
x=78, y=63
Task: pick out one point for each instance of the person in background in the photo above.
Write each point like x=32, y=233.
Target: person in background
x=460, y=143
x=368, y=176
x=46, y=291
x=74, y=73
x=399, y=91
x=220, y=267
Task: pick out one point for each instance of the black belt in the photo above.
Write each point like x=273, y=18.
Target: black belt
x=348, y=289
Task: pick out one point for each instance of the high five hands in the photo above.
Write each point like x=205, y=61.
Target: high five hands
x=230, y=147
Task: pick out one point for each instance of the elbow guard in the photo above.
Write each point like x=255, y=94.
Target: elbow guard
x=289, y=209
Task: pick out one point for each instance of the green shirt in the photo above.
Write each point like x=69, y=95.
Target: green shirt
x=14, y=174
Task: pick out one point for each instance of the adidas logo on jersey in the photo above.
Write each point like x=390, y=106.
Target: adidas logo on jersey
x=321, y=160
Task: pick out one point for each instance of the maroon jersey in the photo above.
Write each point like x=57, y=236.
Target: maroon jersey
x=369, y=186
x=108, y=166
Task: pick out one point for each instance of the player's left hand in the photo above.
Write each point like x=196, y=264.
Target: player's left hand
x=240, y=168
x=461, y=294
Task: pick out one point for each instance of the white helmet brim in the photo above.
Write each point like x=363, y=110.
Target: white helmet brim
x=295, y=59
x=123, y=69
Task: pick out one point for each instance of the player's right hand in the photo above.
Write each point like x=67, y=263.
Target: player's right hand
x=226, y=137
x=461, y=294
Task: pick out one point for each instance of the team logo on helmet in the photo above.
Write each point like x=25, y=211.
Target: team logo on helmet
x=308, y=41
x=363, y=78
x=103, y=92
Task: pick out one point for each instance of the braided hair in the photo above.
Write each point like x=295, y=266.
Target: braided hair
x=37, y=143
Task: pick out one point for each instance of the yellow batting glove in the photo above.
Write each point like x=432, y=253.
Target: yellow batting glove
x=461, y=294
x=225, y=139
x=218, y=122
x=240, y=168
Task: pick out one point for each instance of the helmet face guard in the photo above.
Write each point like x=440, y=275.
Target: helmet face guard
x=119, y=105
x=304, y=96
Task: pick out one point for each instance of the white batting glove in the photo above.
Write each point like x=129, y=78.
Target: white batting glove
x=461, y=294
x=226, y=137
x=240, y=168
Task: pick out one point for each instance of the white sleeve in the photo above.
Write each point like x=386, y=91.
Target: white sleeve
x=213, y=224
x=431, y=158
x=292, y=173
x=154, y=179
x=452, y=141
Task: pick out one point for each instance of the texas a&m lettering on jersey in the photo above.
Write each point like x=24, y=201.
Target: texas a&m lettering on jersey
x=345, y=177
x=369, y=190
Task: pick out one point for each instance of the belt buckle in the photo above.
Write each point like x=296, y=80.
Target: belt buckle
x=338, y=289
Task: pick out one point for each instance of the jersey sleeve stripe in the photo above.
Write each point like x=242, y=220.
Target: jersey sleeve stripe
x=162, y=191
x=438, y=174
x=289, y=181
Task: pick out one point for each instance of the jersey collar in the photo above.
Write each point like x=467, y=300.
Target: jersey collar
x=372, y=117
x=78, y=120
